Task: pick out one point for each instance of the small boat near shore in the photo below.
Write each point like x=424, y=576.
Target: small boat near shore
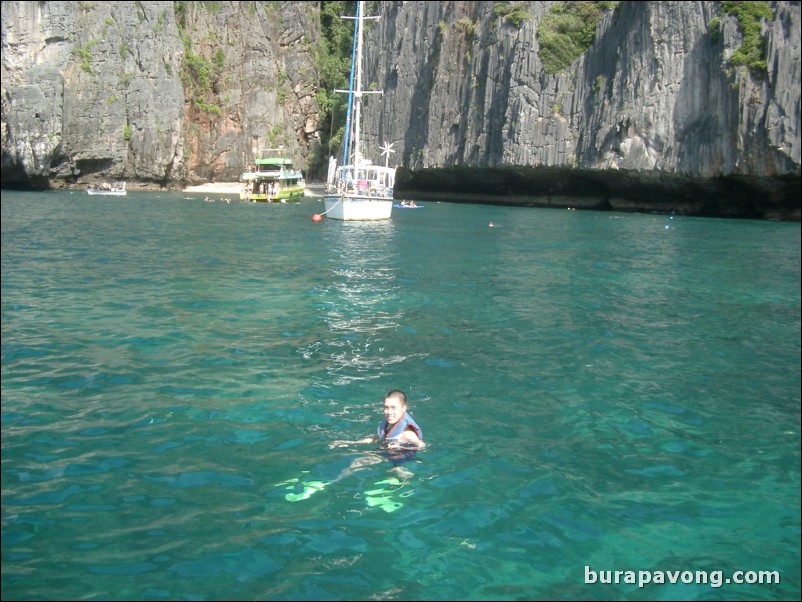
x=114, y=189
x=274, y=179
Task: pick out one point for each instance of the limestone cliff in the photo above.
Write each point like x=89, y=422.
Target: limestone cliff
x=156, y=93
x=651, y=117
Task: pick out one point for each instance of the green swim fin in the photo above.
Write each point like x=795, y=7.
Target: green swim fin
x=378, y=497
x=309, y=487
x=384, y=503
x=390, y=482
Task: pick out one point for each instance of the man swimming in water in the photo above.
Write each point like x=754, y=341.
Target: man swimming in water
x=399, y=437
x=398, y=434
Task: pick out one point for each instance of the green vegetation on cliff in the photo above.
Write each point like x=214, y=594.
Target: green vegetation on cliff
x=198, y=73
x=752, y=52
x=514, y=12
x=334, y=64
x=568, y=30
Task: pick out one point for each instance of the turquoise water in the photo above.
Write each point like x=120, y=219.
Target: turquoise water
x=612, y=391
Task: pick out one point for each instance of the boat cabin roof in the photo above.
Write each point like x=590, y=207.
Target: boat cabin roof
x=368, y=168
x=370, y=172
x=273, y=162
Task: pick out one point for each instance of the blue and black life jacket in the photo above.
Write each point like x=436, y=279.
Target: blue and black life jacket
x=398, y=429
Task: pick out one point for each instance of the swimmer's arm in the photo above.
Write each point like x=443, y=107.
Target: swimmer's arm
x=409, y=438
x=344, y=443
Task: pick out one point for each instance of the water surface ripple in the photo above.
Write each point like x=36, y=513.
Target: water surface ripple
x=619, y=392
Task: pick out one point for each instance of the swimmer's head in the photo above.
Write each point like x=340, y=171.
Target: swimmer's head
x=395, y=405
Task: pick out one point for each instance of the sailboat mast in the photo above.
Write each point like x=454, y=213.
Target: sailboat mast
x=358, y=87
x=364, y=190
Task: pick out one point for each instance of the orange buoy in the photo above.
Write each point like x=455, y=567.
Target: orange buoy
x=317, y=217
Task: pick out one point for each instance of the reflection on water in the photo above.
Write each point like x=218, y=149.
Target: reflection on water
x=360, y=301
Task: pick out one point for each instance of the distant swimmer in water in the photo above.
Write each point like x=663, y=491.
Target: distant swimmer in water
x=398, y=436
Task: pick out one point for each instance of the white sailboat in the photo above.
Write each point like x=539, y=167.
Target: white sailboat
x=358, y=190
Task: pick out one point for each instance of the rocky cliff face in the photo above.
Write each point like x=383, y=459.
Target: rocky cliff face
x=650, y=118
x=156, y=93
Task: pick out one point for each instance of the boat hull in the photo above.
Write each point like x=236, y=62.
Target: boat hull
x=286, y=195
x=357, y=208
x=106, y=192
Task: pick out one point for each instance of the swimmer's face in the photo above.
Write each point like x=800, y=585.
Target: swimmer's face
x=393, y=410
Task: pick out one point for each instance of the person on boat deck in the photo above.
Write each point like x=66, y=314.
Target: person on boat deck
x=398, y=434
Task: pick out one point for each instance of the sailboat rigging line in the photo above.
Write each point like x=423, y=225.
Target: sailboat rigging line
x=360, y=189
x=346, y=141
x=330, y=208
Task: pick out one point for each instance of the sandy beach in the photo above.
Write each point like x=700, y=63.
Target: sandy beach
x=312, y=190
x=216, y=188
